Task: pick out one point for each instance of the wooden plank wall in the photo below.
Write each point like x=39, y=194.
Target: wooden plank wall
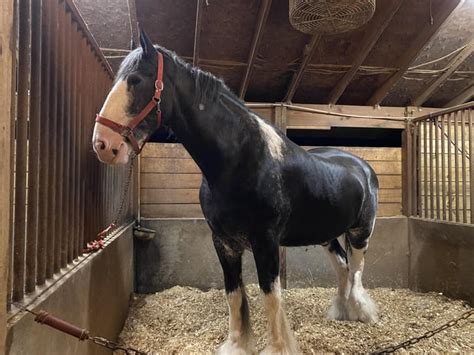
x=170, y=180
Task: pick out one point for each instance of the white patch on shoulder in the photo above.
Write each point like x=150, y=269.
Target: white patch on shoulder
x=116, y=104
x=274, y=141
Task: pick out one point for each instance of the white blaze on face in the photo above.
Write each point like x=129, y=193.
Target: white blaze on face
x=115, y=109
x=116, y=104
x=274, y=141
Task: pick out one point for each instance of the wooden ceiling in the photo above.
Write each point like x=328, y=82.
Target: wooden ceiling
x=253, y=47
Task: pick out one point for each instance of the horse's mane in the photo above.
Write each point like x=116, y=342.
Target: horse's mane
x=208, y=87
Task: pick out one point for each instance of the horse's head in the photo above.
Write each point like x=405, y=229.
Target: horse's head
x=131, y=111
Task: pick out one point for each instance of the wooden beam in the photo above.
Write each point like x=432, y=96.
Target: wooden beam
x=197, y=32
x=81, y=24
x=257, y=36
x=7, y=95
x=461, y=98
x=440, y=15
x=374, y=30
x=435, y=84
x=306, y=58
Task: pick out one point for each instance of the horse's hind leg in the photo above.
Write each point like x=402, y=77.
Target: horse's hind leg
x=359, y=304
x=240, y=338
x=338, y=258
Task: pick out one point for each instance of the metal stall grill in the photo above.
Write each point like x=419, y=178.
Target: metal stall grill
x=62, y=196
x=442, y=148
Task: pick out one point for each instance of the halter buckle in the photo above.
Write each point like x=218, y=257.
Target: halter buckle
x=126, y=132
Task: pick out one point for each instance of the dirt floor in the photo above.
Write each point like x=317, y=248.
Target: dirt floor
x=184, y=320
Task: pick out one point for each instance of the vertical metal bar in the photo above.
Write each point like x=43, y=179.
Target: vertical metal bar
x=425, y=161
x=418, y=168
x=68, y=141
x=75, y=142
x=471, y=163
x=44, y=172
x=432, y=215
x=34, y=147
x=59, y=254
x=80, y=104
x=443, y=167
x=24, y=69
x=456, y=165
x=52, y=156
x=436, y=153
x=463, y=166
x=450, y=179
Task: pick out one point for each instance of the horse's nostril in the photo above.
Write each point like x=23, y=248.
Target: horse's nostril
x=114, y=151
x=100, y=145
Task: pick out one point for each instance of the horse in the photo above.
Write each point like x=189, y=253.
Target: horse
x=259, y=190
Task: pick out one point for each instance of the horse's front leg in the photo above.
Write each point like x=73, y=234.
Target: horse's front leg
x=280, y=337
x=240, y=338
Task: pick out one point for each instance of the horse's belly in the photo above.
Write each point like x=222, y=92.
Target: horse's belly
x=316, y=226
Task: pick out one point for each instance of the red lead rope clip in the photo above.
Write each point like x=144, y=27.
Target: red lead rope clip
x=98, y=243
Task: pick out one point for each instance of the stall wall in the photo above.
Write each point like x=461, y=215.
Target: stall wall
x=94, y=296
x=182, y=253
x=442, y=258
x=170, y=180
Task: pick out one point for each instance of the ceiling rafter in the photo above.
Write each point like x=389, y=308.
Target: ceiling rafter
x=452, y=66
x=463, y=97
x=429, y=31
x=308, y=52
x=257, y=36
x=375, y=28
x=197, y=31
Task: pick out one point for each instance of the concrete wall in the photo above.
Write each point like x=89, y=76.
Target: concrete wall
x=95, y=296
x=182, y=254
x=442, y=258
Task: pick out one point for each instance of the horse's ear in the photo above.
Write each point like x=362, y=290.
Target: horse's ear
x=133, y=44
x=146, y=44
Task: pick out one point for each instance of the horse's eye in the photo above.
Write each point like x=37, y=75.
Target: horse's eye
x=134, y=80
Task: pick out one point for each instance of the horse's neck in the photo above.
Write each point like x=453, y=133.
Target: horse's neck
x=208, y=131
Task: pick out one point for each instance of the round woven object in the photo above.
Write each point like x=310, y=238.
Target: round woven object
x=330, y=16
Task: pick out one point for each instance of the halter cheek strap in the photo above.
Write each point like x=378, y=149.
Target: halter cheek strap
x=128, y=131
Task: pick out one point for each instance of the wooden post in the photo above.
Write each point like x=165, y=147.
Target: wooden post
x=408, y=183
x=7, y=55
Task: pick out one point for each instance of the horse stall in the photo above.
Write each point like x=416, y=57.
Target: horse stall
x=100, y=259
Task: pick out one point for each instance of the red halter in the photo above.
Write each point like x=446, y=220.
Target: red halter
x=128, y=130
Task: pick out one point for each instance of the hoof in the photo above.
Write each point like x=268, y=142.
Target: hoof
x=338, y=310
x=360, y=307
x=232, y=347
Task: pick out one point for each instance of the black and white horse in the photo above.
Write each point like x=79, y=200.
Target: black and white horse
x=260, y=191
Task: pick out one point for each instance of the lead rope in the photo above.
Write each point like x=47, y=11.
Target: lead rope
x=98, y=242
x=43, y=317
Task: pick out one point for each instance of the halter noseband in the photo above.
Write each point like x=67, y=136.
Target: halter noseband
x=127, y=131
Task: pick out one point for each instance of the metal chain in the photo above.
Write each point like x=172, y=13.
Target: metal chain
x=98, y=243
x=115, y=347
x=126, y=186
x=428, y=334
